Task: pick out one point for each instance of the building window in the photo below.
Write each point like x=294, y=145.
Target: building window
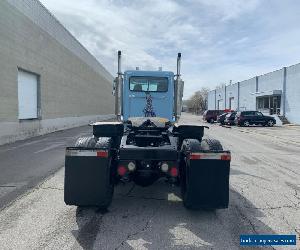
x=27, y=95
x=269, y=104
x=266, y=102
x=260, y=103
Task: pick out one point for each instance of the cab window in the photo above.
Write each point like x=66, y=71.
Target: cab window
x=148, y=84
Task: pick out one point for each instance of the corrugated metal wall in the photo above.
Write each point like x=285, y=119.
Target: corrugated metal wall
x=211, y=100
x=293, y=93
x=245, y=92
x=232, y=92
x=220, y=98
x=270, y=81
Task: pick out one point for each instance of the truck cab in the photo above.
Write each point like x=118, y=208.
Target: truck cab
x=140, y=93
x=148, y=94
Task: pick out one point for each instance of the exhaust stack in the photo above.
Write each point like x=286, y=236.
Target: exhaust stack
x=179, y=84
x=119, y=62
x=178, y=65
x=118, y=84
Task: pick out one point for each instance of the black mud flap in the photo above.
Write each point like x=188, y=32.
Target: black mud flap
x=207, y=180
x=87, y=177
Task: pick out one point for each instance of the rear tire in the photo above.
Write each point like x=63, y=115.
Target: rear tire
x=211, y=120
x=211, y=144
x=270, y=123
x=86, y=142
x=246, y=123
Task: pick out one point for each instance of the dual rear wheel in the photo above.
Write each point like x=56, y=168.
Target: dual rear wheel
x=190, y=188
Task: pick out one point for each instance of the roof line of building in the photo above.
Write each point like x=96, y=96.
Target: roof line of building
x=85, y=55
x=257, y=76
x=80, y=44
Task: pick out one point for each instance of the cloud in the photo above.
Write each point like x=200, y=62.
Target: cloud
x=230, y=9
x=220, y=40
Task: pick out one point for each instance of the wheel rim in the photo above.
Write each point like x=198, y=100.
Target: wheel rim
x=246, y=123
x=270, y=123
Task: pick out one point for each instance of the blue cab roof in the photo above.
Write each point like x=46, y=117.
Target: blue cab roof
x=149, y=73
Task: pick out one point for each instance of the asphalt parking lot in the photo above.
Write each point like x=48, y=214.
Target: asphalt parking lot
x=264, y=199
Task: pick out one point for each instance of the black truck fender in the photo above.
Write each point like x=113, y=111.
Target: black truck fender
x=204, y=174
x=88, y=179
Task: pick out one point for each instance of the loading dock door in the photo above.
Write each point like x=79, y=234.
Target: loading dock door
x=27, y=95
x=220, y=105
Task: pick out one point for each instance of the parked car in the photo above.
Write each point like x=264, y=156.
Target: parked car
x=229, y=118
x=246, y=118
x=211, y=115
x=221, y=118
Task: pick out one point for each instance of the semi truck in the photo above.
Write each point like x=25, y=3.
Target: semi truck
x=146, y=143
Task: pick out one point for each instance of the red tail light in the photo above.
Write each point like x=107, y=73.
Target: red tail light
x=226, y=157
x=174, y=172
x=122, y=170
x=102, y=154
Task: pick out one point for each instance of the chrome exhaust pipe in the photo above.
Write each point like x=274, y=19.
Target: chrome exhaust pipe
x=119, y=63
x=178, y=65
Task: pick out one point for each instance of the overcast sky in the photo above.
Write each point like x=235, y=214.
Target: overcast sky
x=220, y=40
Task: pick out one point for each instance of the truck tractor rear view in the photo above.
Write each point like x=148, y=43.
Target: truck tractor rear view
x=147, y=144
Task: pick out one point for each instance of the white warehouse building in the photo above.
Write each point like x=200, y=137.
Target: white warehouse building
x=276, y=92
